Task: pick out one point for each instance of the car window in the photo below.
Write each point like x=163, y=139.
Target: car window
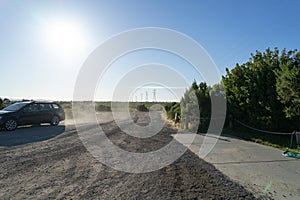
x=15, y=106
x=55, y=106
x=33, y=107
x=45, y=106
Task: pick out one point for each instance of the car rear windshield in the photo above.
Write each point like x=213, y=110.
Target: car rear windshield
x=15, y=106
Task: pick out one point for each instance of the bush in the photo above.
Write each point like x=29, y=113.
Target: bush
x=142, y=108
x=172, y=109
x=103, y=108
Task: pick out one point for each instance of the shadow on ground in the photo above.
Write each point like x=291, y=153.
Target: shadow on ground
x=29, y=134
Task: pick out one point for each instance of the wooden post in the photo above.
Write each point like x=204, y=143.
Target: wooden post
x=186, y=122
x=298, y=138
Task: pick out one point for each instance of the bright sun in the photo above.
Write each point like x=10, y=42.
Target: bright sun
x=64, y=37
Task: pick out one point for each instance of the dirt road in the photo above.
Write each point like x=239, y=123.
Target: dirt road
x=62, y=168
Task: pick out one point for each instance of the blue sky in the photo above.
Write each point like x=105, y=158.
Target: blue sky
x=36, y=64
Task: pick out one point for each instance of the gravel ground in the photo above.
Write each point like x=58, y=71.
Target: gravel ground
x=62, y=168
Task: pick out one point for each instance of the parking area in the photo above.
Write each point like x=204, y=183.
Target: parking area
x=28, y=134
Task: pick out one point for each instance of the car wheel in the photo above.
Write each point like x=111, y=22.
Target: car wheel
x=55, y=121
x=11, y=124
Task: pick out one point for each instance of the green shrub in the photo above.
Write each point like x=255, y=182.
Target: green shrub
x=103, y=108
x=142, y=108
x=172, y=109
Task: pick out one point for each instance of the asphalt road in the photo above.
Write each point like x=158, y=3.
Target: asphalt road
x=261, y=169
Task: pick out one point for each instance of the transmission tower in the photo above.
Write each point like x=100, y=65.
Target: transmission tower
x=154, y=95
x=146, y=98
x=141, y=97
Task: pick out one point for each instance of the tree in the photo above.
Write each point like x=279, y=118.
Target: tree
x=288, y=85
x=1, y=103
x=196, y=106
x=251, y=91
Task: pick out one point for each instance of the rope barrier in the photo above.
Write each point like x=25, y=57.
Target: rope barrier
x=206, y=118
x=263, y=131
x=286, y=153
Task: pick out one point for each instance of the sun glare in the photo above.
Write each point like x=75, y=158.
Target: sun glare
x=64, y=37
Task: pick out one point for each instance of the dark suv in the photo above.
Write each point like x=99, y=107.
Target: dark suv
x=31, y=112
